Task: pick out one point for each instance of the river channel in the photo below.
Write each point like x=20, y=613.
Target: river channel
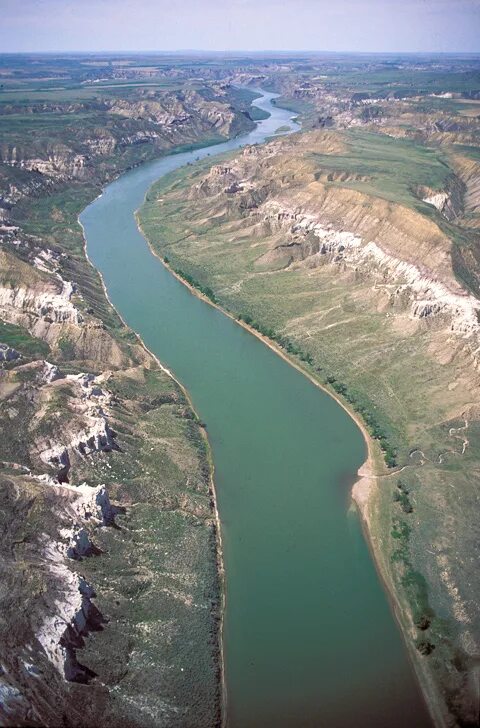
x=309, y=637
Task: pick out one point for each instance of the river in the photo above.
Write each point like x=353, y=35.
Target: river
x=309, y=637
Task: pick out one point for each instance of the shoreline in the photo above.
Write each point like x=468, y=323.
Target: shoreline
x=362, y=491
x=219, y=563
x=368, y=464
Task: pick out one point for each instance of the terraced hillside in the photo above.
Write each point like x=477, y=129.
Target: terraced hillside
x=342, y=248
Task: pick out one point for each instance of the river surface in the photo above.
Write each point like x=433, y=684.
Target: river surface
x=309, y=636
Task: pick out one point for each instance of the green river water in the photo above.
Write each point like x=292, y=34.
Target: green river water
x=309, y=638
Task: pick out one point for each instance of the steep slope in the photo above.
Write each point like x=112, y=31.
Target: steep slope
x=107, y=518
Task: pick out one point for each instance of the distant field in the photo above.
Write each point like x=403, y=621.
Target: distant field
x=393, y=166
x=44, y=124
x=29, y=94
x=408, y=82
x=427, y=104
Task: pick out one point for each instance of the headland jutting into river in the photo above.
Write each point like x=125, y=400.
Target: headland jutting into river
x=309, y=638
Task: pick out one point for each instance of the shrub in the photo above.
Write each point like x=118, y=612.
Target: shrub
x=66, y=347
x=205, y=290
x=401, y=496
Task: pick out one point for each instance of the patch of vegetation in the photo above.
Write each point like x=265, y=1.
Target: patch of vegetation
x=470, y=152
x=208, y=142
x=204, y=290
x=257, y=114
x=19, y=339
x=393, y=167
x=304, y=110
x=401, y=496
x=283, y=341
x=371, y=421
x=67, y=348
x=413, y=582
x=425, y=647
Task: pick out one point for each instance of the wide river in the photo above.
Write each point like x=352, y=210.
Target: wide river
x=309, y=636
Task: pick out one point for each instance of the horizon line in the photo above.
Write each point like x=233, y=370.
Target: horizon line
x=265, y=51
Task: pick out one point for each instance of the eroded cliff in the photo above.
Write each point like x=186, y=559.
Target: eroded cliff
x=108, y=530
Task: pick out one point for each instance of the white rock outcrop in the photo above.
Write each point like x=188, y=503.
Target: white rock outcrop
x=89, y=431
x=429, y=297
x=72, y=612
x=46, y=305
x=438, y=200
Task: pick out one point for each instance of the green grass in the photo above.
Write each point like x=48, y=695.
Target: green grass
x=204, y=290
x=303, y=109
x=451, y=106
x=470, y=152
x=19, y=339
x=257, y=114
x=40, y=95
x=394, y=167
x=408, y=82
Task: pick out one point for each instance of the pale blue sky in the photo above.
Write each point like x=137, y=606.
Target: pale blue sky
x=330, y=25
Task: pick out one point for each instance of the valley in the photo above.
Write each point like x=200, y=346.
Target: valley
x=351, y=248
x=346, y=250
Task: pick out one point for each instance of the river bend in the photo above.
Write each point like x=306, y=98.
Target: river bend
x=309, y=637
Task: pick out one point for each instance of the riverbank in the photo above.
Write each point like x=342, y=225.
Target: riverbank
x=156, y=578
x=279, y=472
x=254, y=251
x=219, y=565
x=367, y=470
x=363, y=490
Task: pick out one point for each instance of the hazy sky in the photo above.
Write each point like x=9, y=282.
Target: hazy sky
x=331, y=25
